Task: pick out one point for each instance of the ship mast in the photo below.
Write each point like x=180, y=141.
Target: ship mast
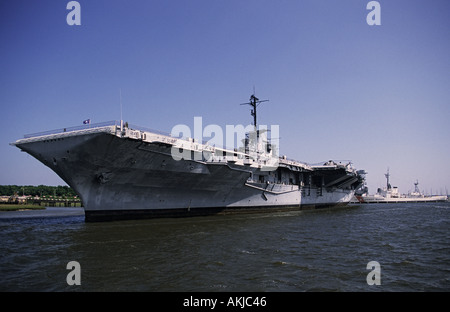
x=387, y=175
x=121, y=120
x=416, y=187
x=254, y=102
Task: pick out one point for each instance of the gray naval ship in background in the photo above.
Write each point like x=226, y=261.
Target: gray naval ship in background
x=126, y=172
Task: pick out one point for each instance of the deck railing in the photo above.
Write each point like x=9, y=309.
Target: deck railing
x=76, y=128
x=135, y=127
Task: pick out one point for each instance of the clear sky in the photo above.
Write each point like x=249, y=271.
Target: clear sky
x=337, y=87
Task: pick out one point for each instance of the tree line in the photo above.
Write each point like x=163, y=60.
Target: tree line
x=40, y=190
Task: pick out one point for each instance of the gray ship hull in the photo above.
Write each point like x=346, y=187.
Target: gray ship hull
x=125, y=173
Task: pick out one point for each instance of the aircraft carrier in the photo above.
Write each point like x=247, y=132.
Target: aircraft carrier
x=122, y=171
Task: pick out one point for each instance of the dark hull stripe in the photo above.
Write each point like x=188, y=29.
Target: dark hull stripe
x=133, y=214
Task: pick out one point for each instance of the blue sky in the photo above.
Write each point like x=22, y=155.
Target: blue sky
x=337, y=87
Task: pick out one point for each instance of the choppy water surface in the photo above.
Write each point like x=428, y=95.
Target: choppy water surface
x=323, y=250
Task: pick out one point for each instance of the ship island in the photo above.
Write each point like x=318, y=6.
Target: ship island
x=121, y=171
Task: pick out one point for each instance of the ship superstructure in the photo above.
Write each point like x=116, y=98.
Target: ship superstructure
x=122, y=171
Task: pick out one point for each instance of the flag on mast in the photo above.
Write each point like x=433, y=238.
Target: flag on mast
x=87, y=122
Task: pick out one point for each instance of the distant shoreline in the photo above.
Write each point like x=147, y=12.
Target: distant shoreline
x=19, y=207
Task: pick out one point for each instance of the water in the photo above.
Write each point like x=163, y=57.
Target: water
x=323, y=250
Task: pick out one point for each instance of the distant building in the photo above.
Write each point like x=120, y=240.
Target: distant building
x=14, y=199
x=4, y=199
